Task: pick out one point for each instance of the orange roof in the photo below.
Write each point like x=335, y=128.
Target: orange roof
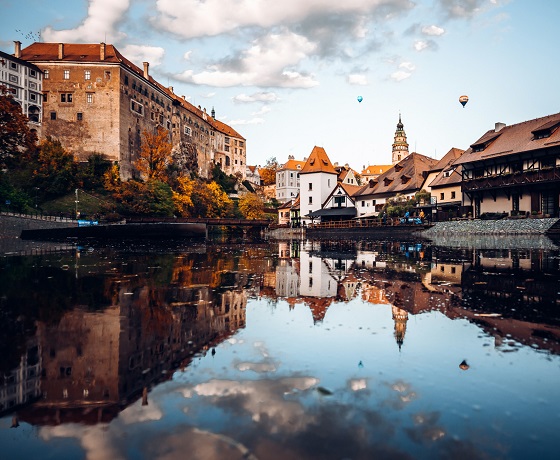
x=292, y=165
x=375, y=169
x=318, y=161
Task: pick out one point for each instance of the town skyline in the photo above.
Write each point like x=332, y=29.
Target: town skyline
x=288, y=79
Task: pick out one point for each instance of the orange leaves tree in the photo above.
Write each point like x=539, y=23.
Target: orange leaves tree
x=268, y=173
x=155, y=155
x=251, y=206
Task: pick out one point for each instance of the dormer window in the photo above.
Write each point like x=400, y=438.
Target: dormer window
x=387, y=181
x=545, y=130
x=404, y=179
x=398, y=168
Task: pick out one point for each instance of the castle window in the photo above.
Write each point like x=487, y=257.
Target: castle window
x=107, y=75
x=136, y=107
x=188, y=131
x=46, y=74
x=89, y=98
x=32, y=73
x=79, y=116
x=87, y=74
x=126, y=82
x=66, y=97
x=53, y=115
x=66, y=75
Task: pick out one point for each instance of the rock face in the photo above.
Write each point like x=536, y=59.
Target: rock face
x=494, y=227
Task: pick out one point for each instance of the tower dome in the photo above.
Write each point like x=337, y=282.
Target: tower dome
x=400, y=145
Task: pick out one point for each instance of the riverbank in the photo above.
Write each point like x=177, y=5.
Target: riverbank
x=545, y=226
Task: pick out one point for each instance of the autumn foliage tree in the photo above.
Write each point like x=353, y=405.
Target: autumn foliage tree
x=268, y=172
x=155, y=155
x=251, y=206
x=55, y=172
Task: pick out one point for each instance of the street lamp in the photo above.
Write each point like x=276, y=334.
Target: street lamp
x=433, y=202
x=77, y=214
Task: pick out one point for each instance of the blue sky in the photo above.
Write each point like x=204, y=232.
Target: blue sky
x=286, y=74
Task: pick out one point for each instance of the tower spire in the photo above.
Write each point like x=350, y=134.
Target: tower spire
x=400, y=145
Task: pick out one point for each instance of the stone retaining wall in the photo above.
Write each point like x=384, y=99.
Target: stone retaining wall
x=12, y=225
x=493, y=227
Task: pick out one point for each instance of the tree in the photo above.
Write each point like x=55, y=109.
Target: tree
x=268, y=173
x=15, y=135
x=155, y=155
x=92, y=173
x=55, y=174
x=152, y=198
x=183, y=196
x=251, y=206
x=227, y=183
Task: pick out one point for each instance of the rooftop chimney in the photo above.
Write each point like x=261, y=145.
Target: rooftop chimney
x=499, y=126
x=17, y=50
x=171, y=88
x=146, y=67
x=102, y=51
x=61, y=51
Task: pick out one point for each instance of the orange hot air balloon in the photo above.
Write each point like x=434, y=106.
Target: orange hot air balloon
x=463, y=100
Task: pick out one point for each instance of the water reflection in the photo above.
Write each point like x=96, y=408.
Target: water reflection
x=297, y=349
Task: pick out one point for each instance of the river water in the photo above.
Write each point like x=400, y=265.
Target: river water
x=282, y=350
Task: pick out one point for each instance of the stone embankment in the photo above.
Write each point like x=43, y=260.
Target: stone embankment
x=495, y=227
x=11, y=225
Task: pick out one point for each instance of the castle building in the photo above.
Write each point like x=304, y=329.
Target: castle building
x=97, y=101
x=23, y=81
x=400, y=146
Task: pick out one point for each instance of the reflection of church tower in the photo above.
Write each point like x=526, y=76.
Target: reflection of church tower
x=400, y=317
x=400, y=146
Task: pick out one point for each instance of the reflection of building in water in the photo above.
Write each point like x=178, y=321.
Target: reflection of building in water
x=444, y=277
x=400, y=317
x=95, y=363
x=22, y=384
x=287, y=278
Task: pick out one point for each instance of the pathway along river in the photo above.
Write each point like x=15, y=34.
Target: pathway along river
x=291, y=350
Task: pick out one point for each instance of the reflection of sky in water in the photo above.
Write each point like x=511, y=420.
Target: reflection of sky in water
x=284, y=387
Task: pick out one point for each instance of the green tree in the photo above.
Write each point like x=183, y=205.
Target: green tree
x=227, y=183
x=92, y=173
x=55, y=174
x=152, y=198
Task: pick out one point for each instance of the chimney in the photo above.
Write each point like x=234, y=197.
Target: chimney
x=499, y=126
x=61, y=51
x=102, y=52
x=213, y=113
x=171, y=88
x=17, y=50
x=146, y=67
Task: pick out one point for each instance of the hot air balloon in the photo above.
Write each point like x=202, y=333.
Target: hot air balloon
x=463, y=100
x=360, y=98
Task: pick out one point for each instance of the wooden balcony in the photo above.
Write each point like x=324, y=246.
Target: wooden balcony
x=536, y=176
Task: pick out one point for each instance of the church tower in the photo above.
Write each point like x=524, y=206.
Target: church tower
x=400, y=146
x=400, y=317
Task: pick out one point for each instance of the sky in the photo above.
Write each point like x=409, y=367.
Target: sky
x=286, y=74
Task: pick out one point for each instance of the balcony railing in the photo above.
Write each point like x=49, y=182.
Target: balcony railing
x=512, y=179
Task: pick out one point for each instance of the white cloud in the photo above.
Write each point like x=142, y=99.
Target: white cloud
x=140, y=53
x=407, y=66
x=420, y=45
x=263, y=111
x=433, y=30
x=406, y=69
x=99, y=25
x=462, y=8
x=257, y=97
x=187, y=55
x=269, y=61
x=208, y=95
x=193, y=18
x=357, y=79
